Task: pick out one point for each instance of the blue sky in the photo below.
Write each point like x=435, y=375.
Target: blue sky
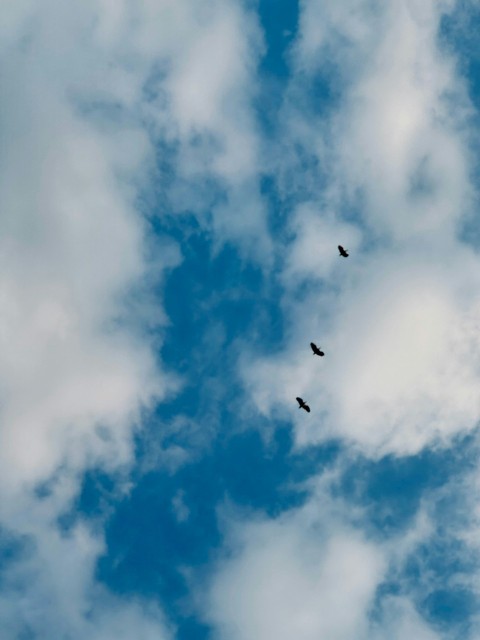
x=176, y=177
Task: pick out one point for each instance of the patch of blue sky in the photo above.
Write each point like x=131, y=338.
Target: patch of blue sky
x=12, y=549
x=217, y=304
x=438, y=576
x=392, y=488
x=279, y=20
x=458, y=35
x=320, y=91
x=441, y=570
x=151, y=549
x=279, y=23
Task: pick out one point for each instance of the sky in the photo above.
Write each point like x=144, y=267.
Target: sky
x=175, y=177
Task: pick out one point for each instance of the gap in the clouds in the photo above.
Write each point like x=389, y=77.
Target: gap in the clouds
x=458, y=33
x=441, y=574
x=279, y=19
x=12, y=549
x=167, y=531
x=203, y=448
x=391, y=493
x=205, y=291
x=392, y=488
x=218, y=305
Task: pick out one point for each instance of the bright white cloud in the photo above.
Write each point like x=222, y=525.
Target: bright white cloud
x=397, y=319
x=312, y=573
x=402, y=361
x=313, y=253
x=288, y=578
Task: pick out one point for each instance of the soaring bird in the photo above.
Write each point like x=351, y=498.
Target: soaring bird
x=316, y=350
x=343, y=252
x=303, y=405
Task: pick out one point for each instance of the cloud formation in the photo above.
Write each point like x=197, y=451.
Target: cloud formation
x=312, y=573
x=397, y=318
x=114, y=110
x=91, y=94
x=385, y=170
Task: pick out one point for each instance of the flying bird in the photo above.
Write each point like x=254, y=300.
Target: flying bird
x=316, y=350
x=343, y=252
x=303, y=405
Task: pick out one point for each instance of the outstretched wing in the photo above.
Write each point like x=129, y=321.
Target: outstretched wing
x=316, y=350
x=300, y=401
x=306, y=407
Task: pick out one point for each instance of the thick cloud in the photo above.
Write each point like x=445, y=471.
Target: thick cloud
x=311, y=573
x=289, y=580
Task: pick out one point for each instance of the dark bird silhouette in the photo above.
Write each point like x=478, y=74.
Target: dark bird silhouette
x=316, y=350
x=303, y=405
x=343, y=252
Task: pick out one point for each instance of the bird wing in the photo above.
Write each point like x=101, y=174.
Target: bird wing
x=299, y=400
x=307, y=408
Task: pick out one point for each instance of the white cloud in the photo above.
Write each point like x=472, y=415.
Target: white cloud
x=313, y=573
x=88, y=89
x=398, y=322
x=313, y=254
x=401, y=368
x=397, y=319
x=289, y=578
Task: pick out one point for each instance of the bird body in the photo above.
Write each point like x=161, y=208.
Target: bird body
x=343, y=252
x=316, y=350
x=303, y=405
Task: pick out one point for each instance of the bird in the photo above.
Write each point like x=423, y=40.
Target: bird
x=316, y=350
x=303, y=405
x=343, y=252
